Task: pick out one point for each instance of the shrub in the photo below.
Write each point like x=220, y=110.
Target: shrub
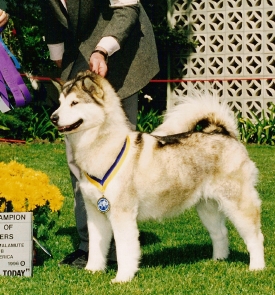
x=261, y=131
x=24, y=124
x=15, y=123
x=148, y=121
x=41, y=127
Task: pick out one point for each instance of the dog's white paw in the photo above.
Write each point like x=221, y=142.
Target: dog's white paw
x=257, y=264
x=123, y=277
x=93, y=271
x=95, y=267
x=220, y=248
x=221, y=254
x=119, y=279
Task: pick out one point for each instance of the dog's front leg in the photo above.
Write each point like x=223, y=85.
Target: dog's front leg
x=127, y=245
x=100, y=234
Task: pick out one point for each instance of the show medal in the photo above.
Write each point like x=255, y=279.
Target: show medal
x=103, y=205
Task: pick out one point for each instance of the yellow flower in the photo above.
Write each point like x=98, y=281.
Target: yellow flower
x=27, y=189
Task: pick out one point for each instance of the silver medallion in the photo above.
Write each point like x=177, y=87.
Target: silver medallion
x=103, y=205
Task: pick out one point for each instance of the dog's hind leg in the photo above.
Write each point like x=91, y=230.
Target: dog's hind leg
x=126, y=234
x=245, y=215
x=100, y=235
x=214, y=221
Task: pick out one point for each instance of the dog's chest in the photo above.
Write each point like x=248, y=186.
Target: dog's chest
x=90, y=192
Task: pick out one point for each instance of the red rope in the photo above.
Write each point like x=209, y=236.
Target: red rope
x=12, y=140
x=38, y=77
x=170, y=80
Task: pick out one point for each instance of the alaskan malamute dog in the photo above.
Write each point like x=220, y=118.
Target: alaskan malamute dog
x=192, y=159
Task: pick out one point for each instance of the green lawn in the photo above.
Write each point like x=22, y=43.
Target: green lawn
x=176, y=252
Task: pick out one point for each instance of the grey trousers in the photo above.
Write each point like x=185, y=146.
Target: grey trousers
x=130, y=106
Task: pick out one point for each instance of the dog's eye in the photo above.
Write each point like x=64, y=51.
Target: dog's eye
x=74, y=103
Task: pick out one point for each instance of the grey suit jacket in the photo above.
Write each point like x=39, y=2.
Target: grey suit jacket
x=83, y=25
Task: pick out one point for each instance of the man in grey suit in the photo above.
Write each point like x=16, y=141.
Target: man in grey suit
x=112, y=38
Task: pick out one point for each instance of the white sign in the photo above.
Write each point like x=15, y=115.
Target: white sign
x=16, y=244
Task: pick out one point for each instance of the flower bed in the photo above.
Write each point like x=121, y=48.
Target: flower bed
x=26, y=190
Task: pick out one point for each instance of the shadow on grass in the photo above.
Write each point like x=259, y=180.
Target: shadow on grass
x=148, y=238
x=72, y=233
x=187, y=254
x=41, y=257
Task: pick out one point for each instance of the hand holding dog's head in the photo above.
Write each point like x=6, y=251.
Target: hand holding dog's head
x=91, y=87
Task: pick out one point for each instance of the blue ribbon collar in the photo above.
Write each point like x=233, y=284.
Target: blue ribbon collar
x=103, y=204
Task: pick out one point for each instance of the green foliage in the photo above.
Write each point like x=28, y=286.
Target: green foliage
x=24, y=36
x=41, y=127
x=24, y=124
x=42, y=222
x=173, y=39
x=148, y=121
x=168, y=39
x=261, y=131
x=15, y=123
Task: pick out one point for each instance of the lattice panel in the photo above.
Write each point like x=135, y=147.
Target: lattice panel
x=235, y=56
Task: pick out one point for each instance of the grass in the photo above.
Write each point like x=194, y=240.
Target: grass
x=176, y=252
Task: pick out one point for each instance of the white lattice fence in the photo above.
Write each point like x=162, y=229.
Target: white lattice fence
x=236, y=52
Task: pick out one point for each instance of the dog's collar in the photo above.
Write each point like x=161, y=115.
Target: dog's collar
x=103, y=204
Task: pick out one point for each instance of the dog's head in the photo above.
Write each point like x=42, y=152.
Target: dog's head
x=81, y=103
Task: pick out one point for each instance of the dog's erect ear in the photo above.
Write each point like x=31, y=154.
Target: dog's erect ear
x=93, y=88
x=58, y=84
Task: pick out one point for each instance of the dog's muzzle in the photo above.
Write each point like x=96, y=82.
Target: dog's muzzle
x=55, y=118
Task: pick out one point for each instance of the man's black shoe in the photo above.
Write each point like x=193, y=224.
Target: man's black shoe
x=76, y=259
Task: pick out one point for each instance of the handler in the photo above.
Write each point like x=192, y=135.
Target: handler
x=112, y=38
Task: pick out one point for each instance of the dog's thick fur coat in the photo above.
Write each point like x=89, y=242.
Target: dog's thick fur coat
x=192, y=159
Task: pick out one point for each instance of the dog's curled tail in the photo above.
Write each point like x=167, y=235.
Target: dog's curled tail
x=199, y=112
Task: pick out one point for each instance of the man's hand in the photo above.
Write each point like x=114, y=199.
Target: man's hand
x=98, y=64
x=58, y=63
x=4, y=17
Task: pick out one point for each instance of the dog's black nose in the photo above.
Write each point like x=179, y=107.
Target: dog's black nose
x=54, y=118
